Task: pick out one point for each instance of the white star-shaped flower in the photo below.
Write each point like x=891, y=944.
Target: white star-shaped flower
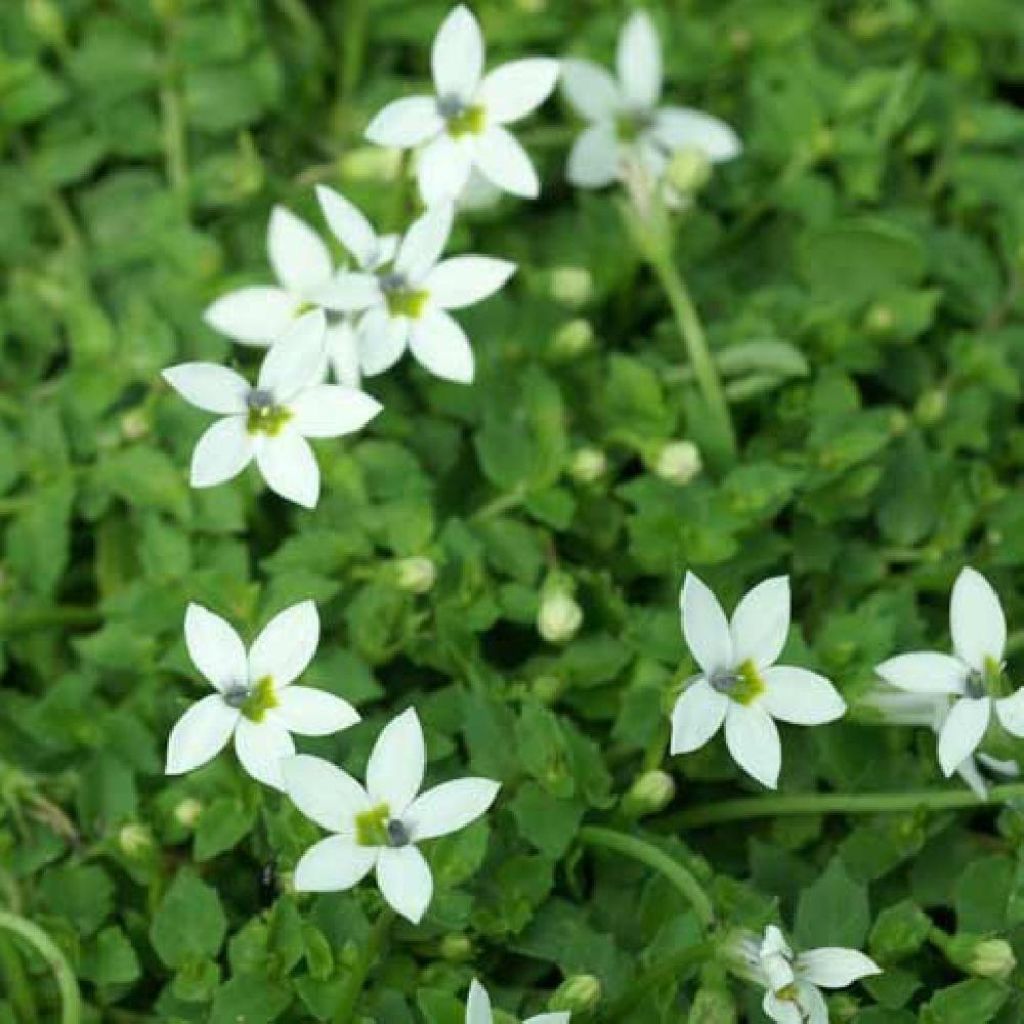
x=381, y=825
x=740, y=684
x=255, y=701
x=478, y=1009
x=271, y=421
x=625, y=122
x=406, y=304
x=971, y=674
x=463, y=126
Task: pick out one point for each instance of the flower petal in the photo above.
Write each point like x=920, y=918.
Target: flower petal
x=298, y=255
x=549, y=1018
x=512, y=90
x=753, y=741
x=333, y=865
x=638, y=61
x=697, y=716
x=405, y=123
x=350, y=292
x=405, y=881
x=976, y=620
x=782, y=1011
x=705, y=627
x=349, y=225
x=209, y=387
x=260, y=747
x=200, y=734
x=342, y=347
x=329, y=410
x=1010, y=712
x=503, y=161
x=478, y=1005
x=962, y=731
x=254, y=315
x=382, y=339
x=442, y=169
x=812, y=1002
x=457, y=55
x=835, y=966
x=289, y=467
x=423, y=243
x=296, y=359
x=441, y=345
x=286, y=645
x=800, y=696
x=464, y=280
x=760, y=623
x=924, y=672
x=324, y=793
x=591, y=90
x=394, y=773
x=223, y=451
x=594, y=158
x=682, y=127
x=309, y=712
x=449, y=807
x=215, y=648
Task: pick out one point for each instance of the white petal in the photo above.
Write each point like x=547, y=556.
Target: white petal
x=387, y=248
x=423, y=243
x=457, y=56
x=760, y=623
x=394, y=773
x=924, y=672
x=835, y=966
x=442, y=169
x=405, y=881
x=324, y=793
x=549, y=1018
x=342, y=346
x=441, y=345
x=478, y=1005
x=329, y=410
x=215, y=648
x=296, y=359
x=972, y=777
x=514, y=89
x=594, y=158
x=638, y=61
x=464, y=280
x=333, y=865
x=449, y=807
x=705, y=627
x=591, y=90
x=260, y=747
x=299, y=257
x=209, y=387
x=782, y=1011
x=382, y=340
x=799, y=696
x=200, y=734
x=350, y=292
x=682, y=127
x=286, y=645
x=697, y=716
x=962, y=731
x=289, y=467
x=406, y=123
x=976, y=620
x=349, y=225
x=812, y=1002
x=503, y=161
x=253, y=316
x=223, y=451
x=1010, y=712
x=753, y=741
x=309, y=712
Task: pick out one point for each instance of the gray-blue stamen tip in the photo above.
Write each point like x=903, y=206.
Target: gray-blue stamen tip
x=398, y=834
x=236, y=696
x=259, y=399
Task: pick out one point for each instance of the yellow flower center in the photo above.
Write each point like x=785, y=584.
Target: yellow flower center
x=468, y=121
x=265, y=416
x=372, y=826
x=406, y=302
x=253, y=701
x=743, y=684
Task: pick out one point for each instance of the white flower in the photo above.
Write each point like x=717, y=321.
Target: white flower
x=407, y=304
x=255, y=701
x=793, y=983
x=970, y=674
x=740, y=684
x=625, y=122
x=478, y=1009
x=379, y=826
x=463, y=126
x=270, y=422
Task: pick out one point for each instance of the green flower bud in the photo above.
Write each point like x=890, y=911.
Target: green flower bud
x=456, y=947
x=416, y=574
x=578, y=994
x=135, y=840
x=713, y=1004
x=572, y=286
x=984, y=957
x=689, y=170
x=47, y=22
x=650, y=793
x=559, y=618
x=371, y=163
x=135, y=425
x=572, y=339
x=931, y=406
x=678, y=462
x=546, y=689
x=187, y=813
x=588, y=465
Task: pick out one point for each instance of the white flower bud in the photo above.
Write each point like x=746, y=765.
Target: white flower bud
x=578, y=994
x=689, y=170
x=188, y=812
x=416, y=574
x=588, y=465
x=371, y=163
x=678, y=462
x=134, y=840
x=573, y=339
x=650, y=793
x=572, y=286
x=559, y=618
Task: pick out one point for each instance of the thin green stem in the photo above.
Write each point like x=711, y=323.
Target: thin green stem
x=16, y=983
x=497, y=506
x=172, y=110
x=345, y=1012
x=641, y=850
x=49, y=618
x=353, y=49
x=70, y=998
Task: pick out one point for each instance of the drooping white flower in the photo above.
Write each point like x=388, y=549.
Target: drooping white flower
x=406, y=304
x=271, y=421
x=478, y=1009
x=740, y=684
x=626, y=124
x=256, y=701
x=381, y=825
x=971, y=674
x=463, y=126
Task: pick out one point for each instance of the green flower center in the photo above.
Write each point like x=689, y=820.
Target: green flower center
x=631, y=124
x=265, y=416
x=743, y=684
x=376, y=827
x=253, y=701
x=469, y=120
x=401, y=297
x=987, y=683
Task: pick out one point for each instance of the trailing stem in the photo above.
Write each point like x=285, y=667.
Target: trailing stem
x=70, y=998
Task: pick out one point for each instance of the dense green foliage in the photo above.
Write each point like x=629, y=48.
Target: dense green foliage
x=859, y=273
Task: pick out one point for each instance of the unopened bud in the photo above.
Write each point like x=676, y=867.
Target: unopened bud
x=578, y=994
x=713, y=1004
x=572, y=339
x=880, y=319
x=572, y=286
x=983, y=957
x=689, y=170
x=931, y=406
x=456, y=947
x=187, y=812
x=588, y=465
x=134, y=425
x=559, y=618
x=371, y=163
x=546, y=689
x=678, y=462
x=416, y=574
x=134, y=840
x=650, y=793
x=47, y=22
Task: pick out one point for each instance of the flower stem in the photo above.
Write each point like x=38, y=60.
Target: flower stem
x=345, y=1012
x=842, y=803
x=70, y=998
x=641, y=850
x=69, y=616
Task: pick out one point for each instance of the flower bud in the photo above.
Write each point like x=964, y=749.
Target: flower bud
x=713, y=1004
x=47, y=22
x=134, y=425
x=371, y=163
x=931, y=406
x=678, y=462
x=572, y=339
x=416, y=574
x=572, y=286
x=546, y=689
x=588, y=465
x=578, y=994
x=984, y=957
x=135, y=840
x=456, y=947
x=560, y=617
x=188, y=812
x=650, y=793
x=689, y=170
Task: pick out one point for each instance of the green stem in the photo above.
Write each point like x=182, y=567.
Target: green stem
x=19, y=992
x=49, y=618
x=172, y=109
x=641, y=850
x=345, y=1011
x=70, y=998
x=353, y=49
x=497, y=506
x=842, y=803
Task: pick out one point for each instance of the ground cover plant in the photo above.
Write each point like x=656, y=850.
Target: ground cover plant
x=512, y=513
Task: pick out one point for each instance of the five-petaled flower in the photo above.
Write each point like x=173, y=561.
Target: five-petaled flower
x=625, y=123
x=271, y=421
x=255, y=701
x=478, y=1009
x=740, y=684
x=406, y=304
x=379, y=826
x=462, y=128
x=972, y=675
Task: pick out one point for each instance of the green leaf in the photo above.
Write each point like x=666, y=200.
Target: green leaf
x=189, y=925
x=833, y=911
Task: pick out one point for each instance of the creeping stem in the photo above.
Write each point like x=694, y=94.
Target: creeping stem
x=345, y=1012
x=70, y=999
